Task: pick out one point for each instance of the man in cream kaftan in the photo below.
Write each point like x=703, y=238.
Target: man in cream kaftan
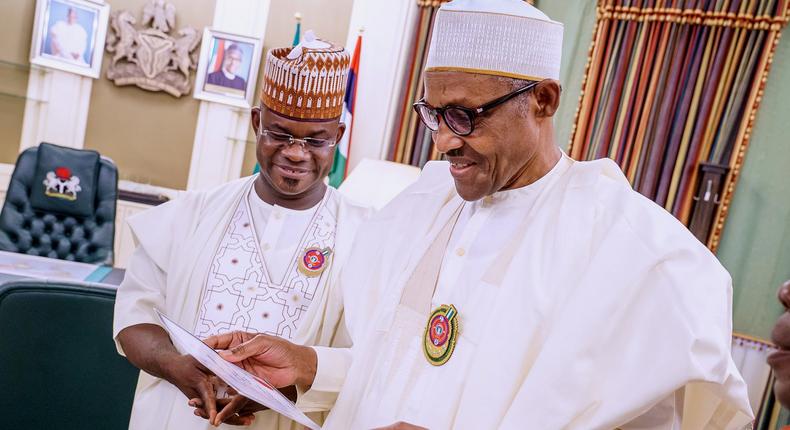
x=607, y=314
x=260, y=254
x=180, y=268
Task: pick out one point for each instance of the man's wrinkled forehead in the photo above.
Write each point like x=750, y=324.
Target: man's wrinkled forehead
x=461, y=88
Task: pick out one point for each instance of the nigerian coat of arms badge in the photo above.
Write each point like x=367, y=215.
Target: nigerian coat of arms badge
x=151, y=58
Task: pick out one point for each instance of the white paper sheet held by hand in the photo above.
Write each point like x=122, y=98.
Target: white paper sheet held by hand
x=247, y=384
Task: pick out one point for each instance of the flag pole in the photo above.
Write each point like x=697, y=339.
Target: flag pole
x=358, y=53
x=297, y=35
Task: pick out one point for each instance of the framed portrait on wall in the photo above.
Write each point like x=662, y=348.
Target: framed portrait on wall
x=69, y=35
x=228, y=68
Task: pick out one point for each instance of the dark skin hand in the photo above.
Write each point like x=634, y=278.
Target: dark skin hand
x=148, y=347
x=509, y=148
x=780, y=360
x=237, y=410
x=282, y=363
x=292, y=176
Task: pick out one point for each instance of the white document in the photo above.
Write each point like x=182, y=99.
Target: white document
x=247, y=384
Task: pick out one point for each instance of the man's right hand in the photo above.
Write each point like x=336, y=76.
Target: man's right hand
x=192, y=378
x=148, y=347
x=272, y=358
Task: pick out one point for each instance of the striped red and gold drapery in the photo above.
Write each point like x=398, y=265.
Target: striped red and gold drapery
x=671, y=92
x=411, y=142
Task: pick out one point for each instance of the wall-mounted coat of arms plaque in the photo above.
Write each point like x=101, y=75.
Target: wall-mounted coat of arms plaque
x=155, y=57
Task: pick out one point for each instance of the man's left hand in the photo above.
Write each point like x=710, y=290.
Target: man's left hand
x=780, y=360
x=237, y=410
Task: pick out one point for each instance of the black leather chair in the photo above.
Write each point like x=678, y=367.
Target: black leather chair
x=59, y=368
x=59, y=225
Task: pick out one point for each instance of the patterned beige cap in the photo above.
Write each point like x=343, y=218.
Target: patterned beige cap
x=496, y=37
x=307, y=81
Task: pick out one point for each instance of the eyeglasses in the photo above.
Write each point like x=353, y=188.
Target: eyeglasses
x=278, y=139
x=460, y=119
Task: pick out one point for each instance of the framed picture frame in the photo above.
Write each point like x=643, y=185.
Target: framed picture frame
x=69, y=35
x=227, y=70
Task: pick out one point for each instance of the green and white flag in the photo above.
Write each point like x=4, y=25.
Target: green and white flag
x=340, y=165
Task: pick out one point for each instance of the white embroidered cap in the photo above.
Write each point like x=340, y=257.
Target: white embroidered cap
x=496, y=37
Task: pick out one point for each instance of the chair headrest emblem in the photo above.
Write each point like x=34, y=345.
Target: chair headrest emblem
x=61, y=184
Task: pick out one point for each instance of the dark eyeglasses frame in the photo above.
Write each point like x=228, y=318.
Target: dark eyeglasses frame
x=471, y=113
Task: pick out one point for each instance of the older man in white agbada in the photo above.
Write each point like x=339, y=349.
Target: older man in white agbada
x=512, y=287
x=68, y=39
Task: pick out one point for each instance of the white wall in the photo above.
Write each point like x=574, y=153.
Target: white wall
x=385, y=45
x=5, y=178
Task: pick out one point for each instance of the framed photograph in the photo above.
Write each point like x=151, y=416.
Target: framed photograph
x=69, y=35
x=228, y=68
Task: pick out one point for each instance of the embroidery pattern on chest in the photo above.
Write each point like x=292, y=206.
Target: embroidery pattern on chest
x=240, y=294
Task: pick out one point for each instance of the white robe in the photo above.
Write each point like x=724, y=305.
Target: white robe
x=72, y=40
x=610, y=314
x=175, y=246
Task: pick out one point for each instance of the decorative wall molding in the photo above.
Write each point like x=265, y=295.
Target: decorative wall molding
x=56, y=110
x=5, y=177
x=218, y=150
